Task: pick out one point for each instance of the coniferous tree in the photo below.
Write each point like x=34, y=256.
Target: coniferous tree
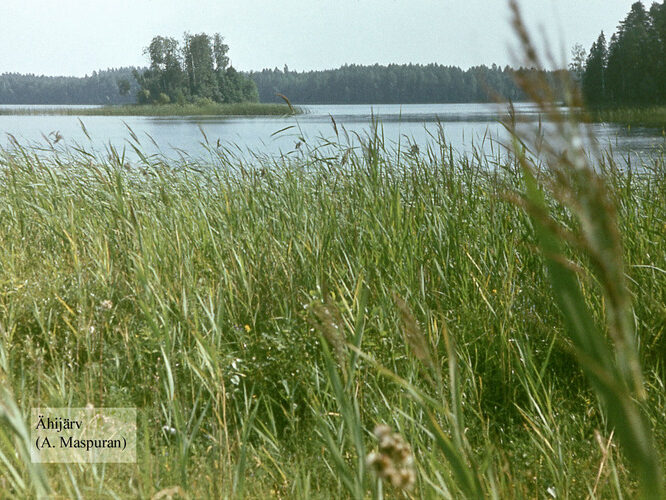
x=637, y=56
x=594, y=76
x=633, y=71
x=658, y=35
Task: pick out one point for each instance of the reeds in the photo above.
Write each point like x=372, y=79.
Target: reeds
x=651, y=116
x=438, y=310
x=211, y=109
x=266, y=316
x=608, y=353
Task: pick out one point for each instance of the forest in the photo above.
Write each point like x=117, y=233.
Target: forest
x=627, y=70
x=197, y=71
x=173, y=77
x=392, y=84
x=630, y=69
x=101, y=87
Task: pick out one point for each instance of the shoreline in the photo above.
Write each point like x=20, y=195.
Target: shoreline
x=650, y=117
x=236, y=109
x=248, y=265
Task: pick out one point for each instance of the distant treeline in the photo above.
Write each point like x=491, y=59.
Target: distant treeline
x=102, y=87
x=631, y=69
x=392, y=84
x=407, y=83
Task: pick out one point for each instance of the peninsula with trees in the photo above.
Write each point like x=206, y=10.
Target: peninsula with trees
x=192, y=77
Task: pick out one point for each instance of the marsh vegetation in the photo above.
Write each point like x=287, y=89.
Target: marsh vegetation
x=200, y=108
x=349, y=322
x=205, y=294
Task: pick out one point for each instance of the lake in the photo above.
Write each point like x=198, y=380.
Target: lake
x=465, y=127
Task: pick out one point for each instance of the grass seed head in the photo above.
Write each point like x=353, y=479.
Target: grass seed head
x=393, y=462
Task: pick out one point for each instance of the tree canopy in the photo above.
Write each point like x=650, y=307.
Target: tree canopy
x=632, y=69
x=113, y=86
x=199, y=68
x=392, y=84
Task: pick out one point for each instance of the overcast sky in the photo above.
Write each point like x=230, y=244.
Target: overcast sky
x=75, y=37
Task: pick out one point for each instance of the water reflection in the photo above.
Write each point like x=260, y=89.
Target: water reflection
x=466, y=127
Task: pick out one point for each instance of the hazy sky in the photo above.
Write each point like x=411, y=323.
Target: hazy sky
x=75, y=37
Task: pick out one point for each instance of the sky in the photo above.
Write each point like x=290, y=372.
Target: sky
x=75, y=37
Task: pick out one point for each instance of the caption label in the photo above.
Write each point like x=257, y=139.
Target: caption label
x=83, y=435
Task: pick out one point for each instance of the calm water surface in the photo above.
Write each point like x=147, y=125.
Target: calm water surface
x=465, y=127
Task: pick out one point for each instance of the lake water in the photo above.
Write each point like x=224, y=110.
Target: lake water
x=465, y=127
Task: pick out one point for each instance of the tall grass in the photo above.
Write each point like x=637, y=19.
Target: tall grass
x=357, y=319
x=607, y=352
x=204, y=292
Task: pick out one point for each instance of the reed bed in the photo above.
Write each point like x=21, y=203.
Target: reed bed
x=203, y=109
x=640, y=116
x=355, y=319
